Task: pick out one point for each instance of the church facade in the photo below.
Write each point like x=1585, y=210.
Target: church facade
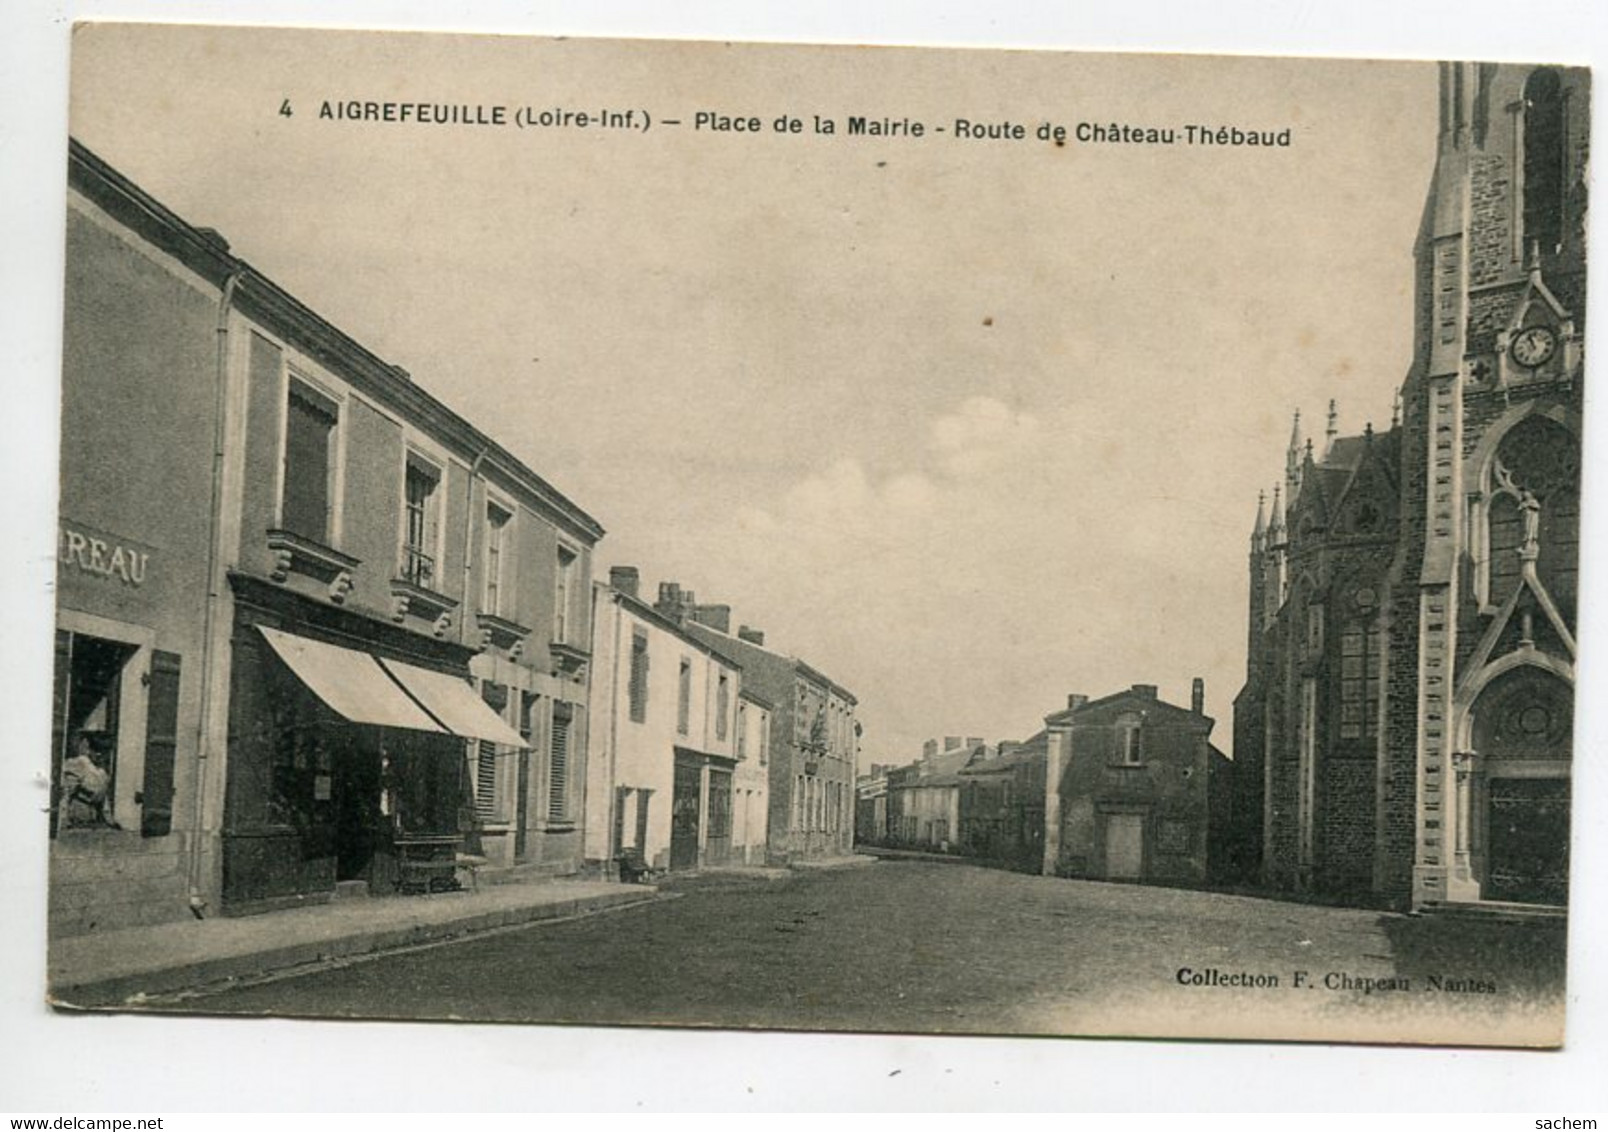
x=1404, y=735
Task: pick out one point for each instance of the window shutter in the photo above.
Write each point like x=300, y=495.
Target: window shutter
x=58, y=721
x=558, y=765
x=161, y=745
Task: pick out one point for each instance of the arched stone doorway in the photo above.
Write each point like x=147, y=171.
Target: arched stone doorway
x=1522, y=736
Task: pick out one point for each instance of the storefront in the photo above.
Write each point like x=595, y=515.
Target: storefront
x=349, y=741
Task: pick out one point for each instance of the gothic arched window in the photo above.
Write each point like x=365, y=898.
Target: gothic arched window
x=1536, y=471
x=1543, y=161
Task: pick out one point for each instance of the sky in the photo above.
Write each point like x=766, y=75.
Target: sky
x=970, y=424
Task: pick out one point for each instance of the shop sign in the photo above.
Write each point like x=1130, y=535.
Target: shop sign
x=84, y=551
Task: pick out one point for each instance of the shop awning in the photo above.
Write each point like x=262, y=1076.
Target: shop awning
x=454, y=703
x=351, y=683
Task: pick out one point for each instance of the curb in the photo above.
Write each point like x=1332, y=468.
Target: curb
x=131, y=990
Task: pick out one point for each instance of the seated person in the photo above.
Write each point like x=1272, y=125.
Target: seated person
x=85, y=783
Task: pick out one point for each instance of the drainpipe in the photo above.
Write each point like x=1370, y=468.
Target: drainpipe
x=469, y=542
x=209, y=616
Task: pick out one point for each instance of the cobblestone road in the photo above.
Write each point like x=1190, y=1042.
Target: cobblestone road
x=922, y=946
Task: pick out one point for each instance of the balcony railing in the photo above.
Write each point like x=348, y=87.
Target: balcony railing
x=417, y=568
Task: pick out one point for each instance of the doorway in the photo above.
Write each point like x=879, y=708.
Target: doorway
x=685, y=810
x=1124, y=846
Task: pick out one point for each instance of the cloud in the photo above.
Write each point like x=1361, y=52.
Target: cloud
x=981, y=434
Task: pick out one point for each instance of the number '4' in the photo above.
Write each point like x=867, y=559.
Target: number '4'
x=284, y=108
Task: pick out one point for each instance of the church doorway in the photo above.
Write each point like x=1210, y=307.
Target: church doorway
x=1522, y=737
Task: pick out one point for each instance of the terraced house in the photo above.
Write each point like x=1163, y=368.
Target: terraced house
x=316, y=633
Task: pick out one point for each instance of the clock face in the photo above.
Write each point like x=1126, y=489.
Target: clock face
x=1534, y=346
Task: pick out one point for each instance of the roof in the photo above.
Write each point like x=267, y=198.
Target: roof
x=728, y=645
x=942, y=769
x=207, y=254
x=1009, y=757
x=1149, y=703
x=646, y=612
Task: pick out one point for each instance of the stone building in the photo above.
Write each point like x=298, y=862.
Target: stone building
x=1129, y=787
x=677, y=768
x=1404, y=733
x=307, y=615
x=814, y=738
x=1002, y=804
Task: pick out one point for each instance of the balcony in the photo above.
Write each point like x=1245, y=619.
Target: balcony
x=298, y=554
x=568, y=660
x=499, y=632
x=413, y=591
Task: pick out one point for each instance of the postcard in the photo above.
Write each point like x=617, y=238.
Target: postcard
x=912, y=540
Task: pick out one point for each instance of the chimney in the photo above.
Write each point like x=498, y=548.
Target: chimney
x=929, y=749
x=626, y=579
x=751, y=635
x=951, y=742
x=1076, y=700
x=1197, y=696
x=717, y=617
x=972, y=742
x=1145, y=691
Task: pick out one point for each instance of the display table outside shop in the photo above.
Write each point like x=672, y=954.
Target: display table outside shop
x=427, y=863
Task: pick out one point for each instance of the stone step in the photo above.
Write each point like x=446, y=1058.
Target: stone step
x=351, y=889
x=1498, y=911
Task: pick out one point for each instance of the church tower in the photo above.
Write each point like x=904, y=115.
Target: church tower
x=1474, y=789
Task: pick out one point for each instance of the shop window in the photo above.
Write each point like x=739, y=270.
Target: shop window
x=89, y=731
x=498, y=521
x=1543, y=162
x=558, y=764
x=638, y=692
x=420, y=533
x=306, y=503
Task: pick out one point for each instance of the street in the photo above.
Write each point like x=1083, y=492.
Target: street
x=937, y=947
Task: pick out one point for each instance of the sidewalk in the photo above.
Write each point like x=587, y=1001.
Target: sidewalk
x=122, y=967
x=852, y=861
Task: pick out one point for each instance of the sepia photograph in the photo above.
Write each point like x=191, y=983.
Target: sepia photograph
x=816, y=538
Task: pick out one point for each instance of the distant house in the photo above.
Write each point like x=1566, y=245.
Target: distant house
x=667, y=782
x=871, y=806
x=1128, y=788
x=814, y=738
x=1002, y=804
x=924, y=797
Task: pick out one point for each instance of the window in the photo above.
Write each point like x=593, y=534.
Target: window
x=1314, y=637
x=764, y=738
x=558, y=764
x=684, y=698
x=742, y=726
x=486, y=781
x=638, y=692
x=305, y=505
x=420, y=532
x=497, y=520
x=488, y=795
x=564, y=585
x=722, y=705
x=89, y=729
x=1543, y=162
x=1359, y=680
x=1130, y=740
